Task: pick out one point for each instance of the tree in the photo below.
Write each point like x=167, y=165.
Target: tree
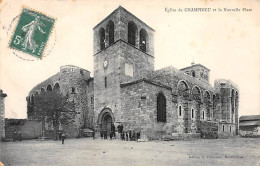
x=52, y=106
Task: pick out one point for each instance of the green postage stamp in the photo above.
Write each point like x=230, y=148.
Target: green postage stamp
x=32, y=32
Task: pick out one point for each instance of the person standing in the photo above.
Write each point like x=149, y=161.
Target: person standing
x=126, y=136
x=105, y=134
x=93, y=134
x=19, y=136
x=63, y=138
x=113, y=130
x=111, y=135
x=123, y=136
x=101, y=134
x=133, y=137
x=119, y=129
x=59, y=135
x=130, y=135
x=14, y=136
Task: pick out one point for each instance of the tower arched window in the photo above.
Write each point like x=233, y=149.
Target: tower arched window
x=102, y=38
x=196, y=93
x=183, y=89
x=143, y=40
x=132, y=30
x=193, y=74
x=161, y=108
x=206, y=97
x=110, y=30
x=49, y=88
x=56, y=87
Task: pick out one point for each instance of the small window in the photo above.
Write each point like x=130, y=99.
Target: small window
x=193, y=73
x=73, y=89
x=203, y=115
x=192, y=113
x=223, y=128
x=105, y=82
x=92, y=99
x=230, y=128
x=180, y=111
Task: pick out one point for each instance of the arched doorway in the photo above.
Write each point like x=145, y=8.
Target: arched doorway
x=106, y=122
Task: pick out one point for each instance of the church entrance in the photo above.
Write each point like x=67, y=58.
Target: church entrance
x=106, y=123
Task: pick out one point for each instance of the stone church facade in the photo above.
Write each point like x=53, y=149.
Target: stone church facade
x=126, y=89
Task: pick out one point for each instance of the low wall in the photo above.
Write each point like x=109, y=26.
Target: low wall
x=28, y=129
x=249, y=131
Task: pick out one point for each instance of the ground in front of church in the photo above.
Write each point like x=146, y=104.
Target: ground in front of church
x=86, y=151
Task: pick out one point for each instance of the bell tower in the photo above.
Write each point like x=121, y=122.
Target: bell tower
x=123, y=52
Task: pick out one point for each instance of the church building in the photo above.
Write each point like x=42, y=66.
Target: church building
x=127, y=90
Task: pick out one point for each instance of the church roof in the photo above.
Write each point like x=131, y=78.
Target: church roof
x=249, y=118
x=195, y=65
x=144, y=80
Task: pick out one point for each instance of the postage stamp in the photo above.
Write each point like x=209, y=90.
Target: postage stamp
x=32, y=33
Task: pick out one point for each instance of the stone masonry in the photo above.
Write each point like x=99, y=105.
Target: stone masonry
x=78, y=85
x=2, y=115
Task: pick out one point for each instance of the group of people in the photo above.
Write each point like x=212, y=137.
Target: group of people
x=112, y=133
x=17, y=135
x=128, y=136
x=124, y=135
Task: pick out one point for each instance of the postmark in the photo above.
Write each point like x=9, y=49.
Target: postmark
x=32, y=33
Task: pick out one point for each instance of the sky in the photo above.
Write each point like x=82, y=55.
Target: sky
x=228, y=43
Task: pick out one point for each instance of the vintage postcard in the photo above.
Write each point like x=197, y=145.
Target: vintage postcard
x=129, y=83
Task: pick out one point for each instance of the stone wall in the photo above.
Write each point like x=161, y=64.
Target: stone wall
x=2, y=115
x=212, y=130
x=249, y=131
x=226, y=130
x=75, y=83
x=139, y=109
x=229, y=101
x=29, y=129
